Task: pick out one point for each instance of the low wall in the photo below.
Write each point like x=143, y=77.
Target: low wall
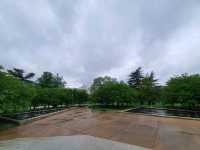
x=33, y=118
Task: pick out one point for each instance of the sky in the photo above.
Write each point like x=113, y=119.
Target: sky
x=84, y=39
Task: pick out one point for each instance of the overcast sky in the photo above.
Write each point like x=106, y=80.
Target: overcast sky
x=83, y=39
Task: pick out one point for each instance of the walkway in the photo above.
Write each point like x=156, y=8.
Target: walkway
x=156, y=133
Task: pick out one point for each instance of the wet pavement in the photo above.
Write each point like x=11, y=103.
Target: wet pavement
x=156, y=133
x=77, y=142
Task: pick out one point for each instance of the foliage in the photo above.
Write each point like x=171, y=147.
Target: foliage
x=49, y=91
x=183, y=90
x=49, y=80
x=99, y=81
x=14, y=94
x=135, y=78
x=20, y=74
x=149, y=91
x=18, y=96
x=114, y=93
x=59, y=96
x=80, y=96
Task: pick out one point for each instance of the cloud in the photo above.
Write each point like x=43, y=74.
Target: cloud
x=85, y=39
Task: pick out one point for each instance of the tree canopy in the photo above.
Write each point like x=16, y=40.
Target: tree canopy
x=17, y=95
x=114, y=93
x=100, y=81
x=49, y=80
x=183, y=90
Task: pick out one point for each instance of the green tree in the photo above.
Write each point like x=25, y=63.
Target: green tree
x=49, y=80
x=80, y=96
x=47, y=97
x=100, y=81
x=41, y=98
x=183, y=91
x=68, y=96
x=135, y=78
x=149, y=90
x=114, y=93
x=59, y=81
x=15, y=96
x=20, y=74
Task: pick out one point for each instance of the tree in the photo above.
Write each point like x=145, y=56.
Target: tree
x=149, y=91
x=183, y=91
x=152, y=78
x=1, y=67
x=59, y=96
x=149, y=81
x=49, y=80
x=135, y=78
x=79, y=96
x=100, y=81
x=114, y=93
x=59, y=81
x=15, y=96
x=20, y=74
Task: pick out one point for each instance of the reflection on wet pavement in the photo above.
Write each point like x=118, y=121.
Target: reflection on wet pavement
x=147, y=131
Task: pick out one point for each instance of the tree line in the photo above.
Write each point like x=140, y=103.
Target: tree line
x=181, y=91
x=19, y=92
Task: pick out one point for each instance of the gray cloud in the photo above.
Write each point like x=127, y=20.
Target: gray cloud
x=84, y=39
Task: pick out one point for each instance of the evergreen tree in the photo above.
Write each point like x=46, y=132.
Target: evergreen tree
x=135, y=78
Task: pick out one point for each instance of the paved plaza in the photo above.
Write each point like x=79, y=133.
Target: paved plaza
x=127, y=130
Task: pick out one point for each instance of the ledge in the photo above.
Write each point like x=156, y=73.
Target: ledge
x=20, y=122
